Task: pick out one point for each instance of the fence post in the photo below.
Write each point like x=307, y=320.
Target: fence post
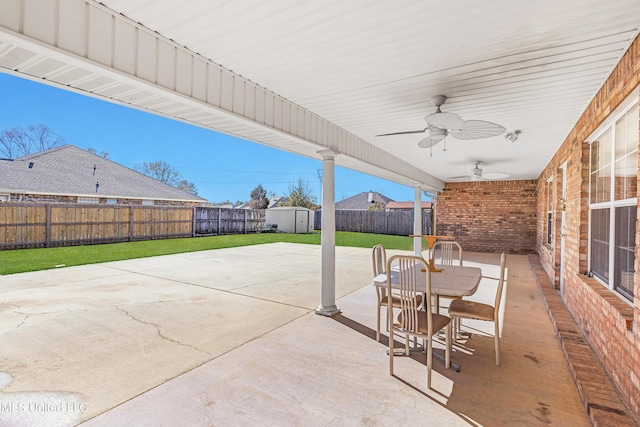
x=386, y=221
x=193, y=222
x=47, y=237
x=131, y=223
x=245, y=221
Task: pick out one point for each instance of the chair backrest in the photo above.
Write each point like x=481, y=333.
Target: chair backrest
x=379, y=258
x=503, y=264
x=450, y=252
x=409, y=269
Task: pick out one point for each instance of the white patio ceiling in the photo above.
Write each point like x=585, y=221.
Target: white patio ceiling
x=367, y=67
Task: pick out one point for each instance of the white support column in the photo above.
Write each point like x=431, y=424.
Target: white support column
x=327, y=305
x=417, y=221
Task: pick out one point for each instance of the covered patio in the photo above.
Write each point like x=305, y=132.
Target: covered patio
x=229, y=337
x=325, y=81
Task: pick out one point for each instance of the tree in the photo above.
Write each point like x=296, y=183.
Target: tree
x=378, y=205
x=188, y=187
x=300, y=194
x=18, y=142
x=164, y=172
x=258, y=198
x=160, y=170
x=102, y=154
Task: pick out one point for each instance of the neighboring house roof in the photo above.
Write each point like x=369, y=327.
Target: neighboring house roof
x=276, y=200
x=69, y=171
x=362, y=201
x=407, y=205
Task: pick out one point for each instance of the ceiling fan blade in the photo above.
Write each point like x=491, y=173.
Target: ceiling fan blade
x=445, y=121
x=478, y=129
x=459, y=177
x=407, y=132
x=429, y=142
x=495, y=175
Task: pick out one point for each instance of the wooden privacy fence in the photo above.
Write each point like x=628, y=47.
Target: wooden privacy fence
x=36, y=225
x=29, y=225
x=399, y=223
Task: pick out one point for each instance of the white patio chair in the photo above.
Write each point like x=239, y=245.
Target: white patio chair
x=421, y=324
x=379, y=258
x=465, y=309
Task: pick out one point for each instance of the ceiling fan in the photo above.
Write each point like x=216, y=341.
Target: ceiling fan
x=476, y=174
x=440, y=125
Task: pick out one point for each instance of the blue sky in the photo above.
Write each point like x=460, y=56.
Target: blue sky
x=222, y=167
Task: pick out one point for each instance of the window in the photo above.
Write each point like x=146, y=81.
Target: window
x=88, y=200
x=111, y=201
x=612, y=199
x=5, y=197
x=549, y=202
x=147, y=203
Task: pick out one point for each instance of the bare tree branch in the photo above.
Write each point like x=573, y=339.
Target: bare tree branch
x=43, y=138
x=17, y=142
x=164, y=172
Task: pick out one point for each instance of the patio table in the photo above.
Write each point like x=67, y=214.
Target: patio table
x=452, y=281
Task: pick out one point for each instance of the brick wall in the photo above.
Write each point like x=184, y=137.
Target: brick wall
x=610, y=324
x=489, y=216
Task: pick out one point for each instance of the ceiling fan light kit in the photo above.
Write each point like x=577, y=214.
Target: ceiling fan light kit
x=440, y=125
x=476, y=173
x=435, y=136
x=512, y=136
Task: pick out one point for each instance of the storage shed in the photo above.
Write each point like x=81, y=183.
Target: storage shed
x=291, y=219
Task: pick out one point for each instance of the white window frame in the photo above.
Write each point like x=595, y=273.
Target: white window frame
x=88, y=200
x=5, y=198
x=549, y=206
x=632, y=101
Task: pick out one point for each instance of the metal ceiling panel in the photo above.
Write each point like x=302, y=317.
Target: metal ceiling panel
x=366, y=67
x=371, y=67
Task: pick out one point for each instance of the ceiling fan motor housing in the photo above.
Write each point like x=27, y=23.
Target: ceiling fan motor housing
x=438, y=100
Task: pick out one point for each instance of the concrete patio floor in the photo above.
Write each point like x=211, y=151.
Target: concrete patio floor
x=229, y=337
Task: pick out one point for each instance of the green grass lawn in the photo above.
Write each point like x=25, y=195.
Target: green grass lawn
x=18, y=261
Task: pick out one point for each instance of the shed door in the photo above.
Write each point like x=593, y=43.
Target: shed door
x=302, y=222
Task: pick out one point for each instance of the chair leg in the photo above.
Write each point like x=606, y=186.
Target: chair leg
x=454, y=328
x=391, y=353
x=447, y=343
x=497, y=338
x=378, y=329
x=429, y=361
x=457, y=328
x=407, y=350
